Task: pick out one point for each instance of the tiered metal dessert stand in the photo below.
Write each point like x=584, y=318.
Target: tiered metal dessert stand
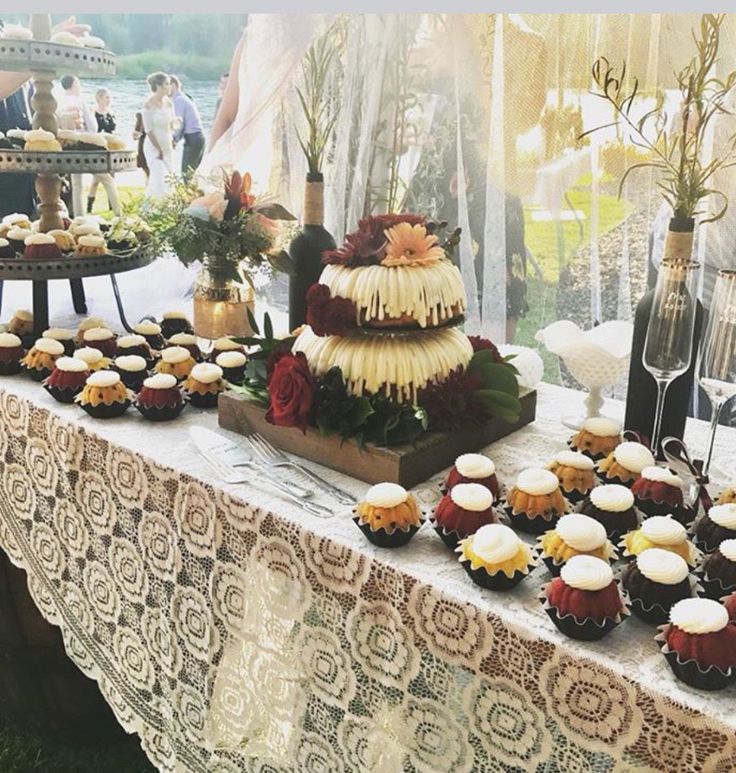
x=43, y=60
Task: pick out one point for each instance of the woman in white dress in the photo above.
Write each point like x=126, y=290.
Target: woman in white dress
x=159, y=124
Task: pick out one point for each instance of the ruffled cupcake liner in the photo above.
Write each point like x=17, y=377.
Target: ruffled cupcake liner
x=133, y=381
x=690, y=672
x=69, y=347
x=713, y=588
x=208, y=400
x=614, y=480
x=651, y=507
x=451, y=537
x=62, y=395
x=595, y=457
x=36, y=374
x=575, y=497
x=587, y=629
x=165, y=413
x=103, y=411
x=655, y=612
x=704, y=543
x=532, y=524
x=11, y=368
x=384, y=539
x=498, y=581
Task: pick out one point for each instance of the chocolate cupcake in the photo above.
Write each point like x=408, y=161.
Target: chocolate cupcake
x=718, y=524
x=612, y=506
x=233, y=366
x=11, y=354
x=40, y=358
x=659, y=491
x=64, y=336
x=160, y=398
x=535, y=502
x=574, y=535
x=388, y=516
x=699, y=643
x=204, y=385
x=655, y=580
x=660, y=531
x=101, y=338
x=6, y=249
x=17, y=238
x=94, y=358
x=151, y=331
x=495, y=558
x=67, y=379
x=189, y=342
x=225, y=344
x=132, y=369
x=718, y=572
x=474, y=468
x=104, y=395
x=174, y=322
x=625, y=463
x=596, y=438
x=462, y=511
x=136, y=344
x=576, y=474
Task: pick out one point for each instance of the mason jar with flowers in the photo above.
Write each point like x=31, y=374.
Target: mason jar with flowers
x=233, y=235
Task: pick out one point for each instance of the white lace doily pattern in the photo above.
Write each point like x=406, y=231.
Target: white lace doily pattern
x=234, y=632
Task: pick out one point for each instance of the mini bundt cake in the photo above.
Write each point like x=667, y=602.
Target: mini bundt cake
x=596, y=438
x=625, y=463
x=474, y=468
x=576, y=474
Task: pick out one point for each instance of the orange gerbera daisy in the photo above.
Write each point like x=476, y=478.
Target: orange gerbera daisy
x=411, y=245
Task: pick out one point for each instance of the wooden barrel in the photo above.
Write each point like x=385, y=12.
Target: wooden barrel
x=40, y=686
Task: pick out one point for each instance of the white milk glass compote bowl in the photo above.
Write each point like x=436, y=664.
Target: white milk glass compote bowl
x=596, y=358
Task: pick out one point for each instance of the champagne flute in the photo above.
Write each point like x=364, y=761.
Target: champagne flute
x=668, y=348
x=718, y=362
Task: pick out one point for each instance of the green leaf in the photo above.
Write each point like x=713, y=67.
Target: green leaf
x=495, y=375
x=281, y=261
x=252, y=321
x=500, y=404
x=267, y=326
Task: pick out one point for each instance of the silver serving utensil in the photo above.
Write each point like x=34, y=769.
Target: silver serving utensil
x=273, y=456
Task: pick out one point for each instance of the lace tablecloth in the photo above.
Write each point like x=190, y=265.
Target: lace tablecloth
x=234, y=632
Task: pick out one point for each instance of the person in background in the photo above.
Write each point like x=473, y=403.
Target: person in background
x=190, y=129
x=139, y=135
x=105, y=123
x=158, y=124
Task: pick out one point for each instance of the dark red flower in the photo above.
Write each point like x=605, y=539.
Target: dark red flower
x=326, y=315
x=273, y=358
x=480, y=344
x=450, y=403
x=292, y=390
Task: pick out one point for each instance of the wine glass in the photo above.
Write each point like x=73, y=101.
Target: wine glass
x=718, y=362
x=668, y=347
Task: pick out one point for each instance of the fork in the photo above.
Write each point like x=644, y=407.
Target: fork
x=269, y=454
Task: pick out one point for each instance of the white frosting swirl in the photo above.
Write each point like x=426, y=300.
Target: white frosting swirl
x=633, y=456
x=127, y=342
x=724, y=515
x=587, y=573
x=40, y=238
x=575, y=460
x=103, y=378
x=699, y=616
x=89, y=355
x=494, y=543
x=727, y=549
x=232, y=359
x=175, y=354
x=664, y=530
x=71, y=365
x=602, y=427
x=160, y=381
x=224, y=344
x=49, y=346
x=130, y=362
x=98, y=334
x=59, y=333
x=9, y=341
x=612, y=498
x=475, y=466
x=206, y=373
x=537, y=481
x=472, y=496
x=386, y=495
x=181, y=339
x=581, y=532
x=174, y=315
x=662, y=566
x=147, y=328
x=661, y=475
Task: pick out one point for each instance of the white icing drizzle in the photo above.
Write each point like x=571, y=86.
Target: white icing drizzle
x=575, y=460
x=225, y=344
x=587, y=573
x=130, y=362
x=724, y=515
x=232, y=359
x=727, y=549
x=206, y=373
x=70, y=365
x=180, y=339
x=103, y=378
x=581, y=532
x=15, y=217
x=174, y=315
x=663, y=530
x=88, y=354
x=59, y=333
x=661, y=475
x=602, y=427
x=386, y=495
x=175, y=354
x=472, y=496
x=395, y=367
x=39, y=239
x=612, y=498
x=147, y=328
x=662, y=566
x=381, y=292
x=475, y=466
x=494, y=543
x=98, y=334
x=49, y=346
x=90, y=240
x=9, y=341
x=127, y=342
x=699, y=616
x=537, y=481
x=633, y=456
x=160, y=381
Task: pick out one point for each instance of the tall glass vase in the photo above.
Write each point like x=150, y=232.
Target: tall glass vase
x=221, y=303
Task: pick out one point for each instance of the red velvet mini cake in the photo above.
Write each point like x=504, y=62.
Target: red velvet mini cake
x=462, y=511
x=160, y=398
x=101, y=338
x=730, y=604
x=474, y=468
x=189, y=342
x=41, y=247
x=11, y=353
x=67, y=379
x=658, y=491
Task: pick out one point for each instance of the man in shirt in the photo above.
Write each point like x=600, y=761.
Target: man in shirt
x=16, y=189
x=190, y=128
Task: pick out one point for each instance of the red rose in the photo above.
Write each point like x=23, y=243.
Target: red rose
x=327, y=315
x=292, y=390
x=480, y=344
